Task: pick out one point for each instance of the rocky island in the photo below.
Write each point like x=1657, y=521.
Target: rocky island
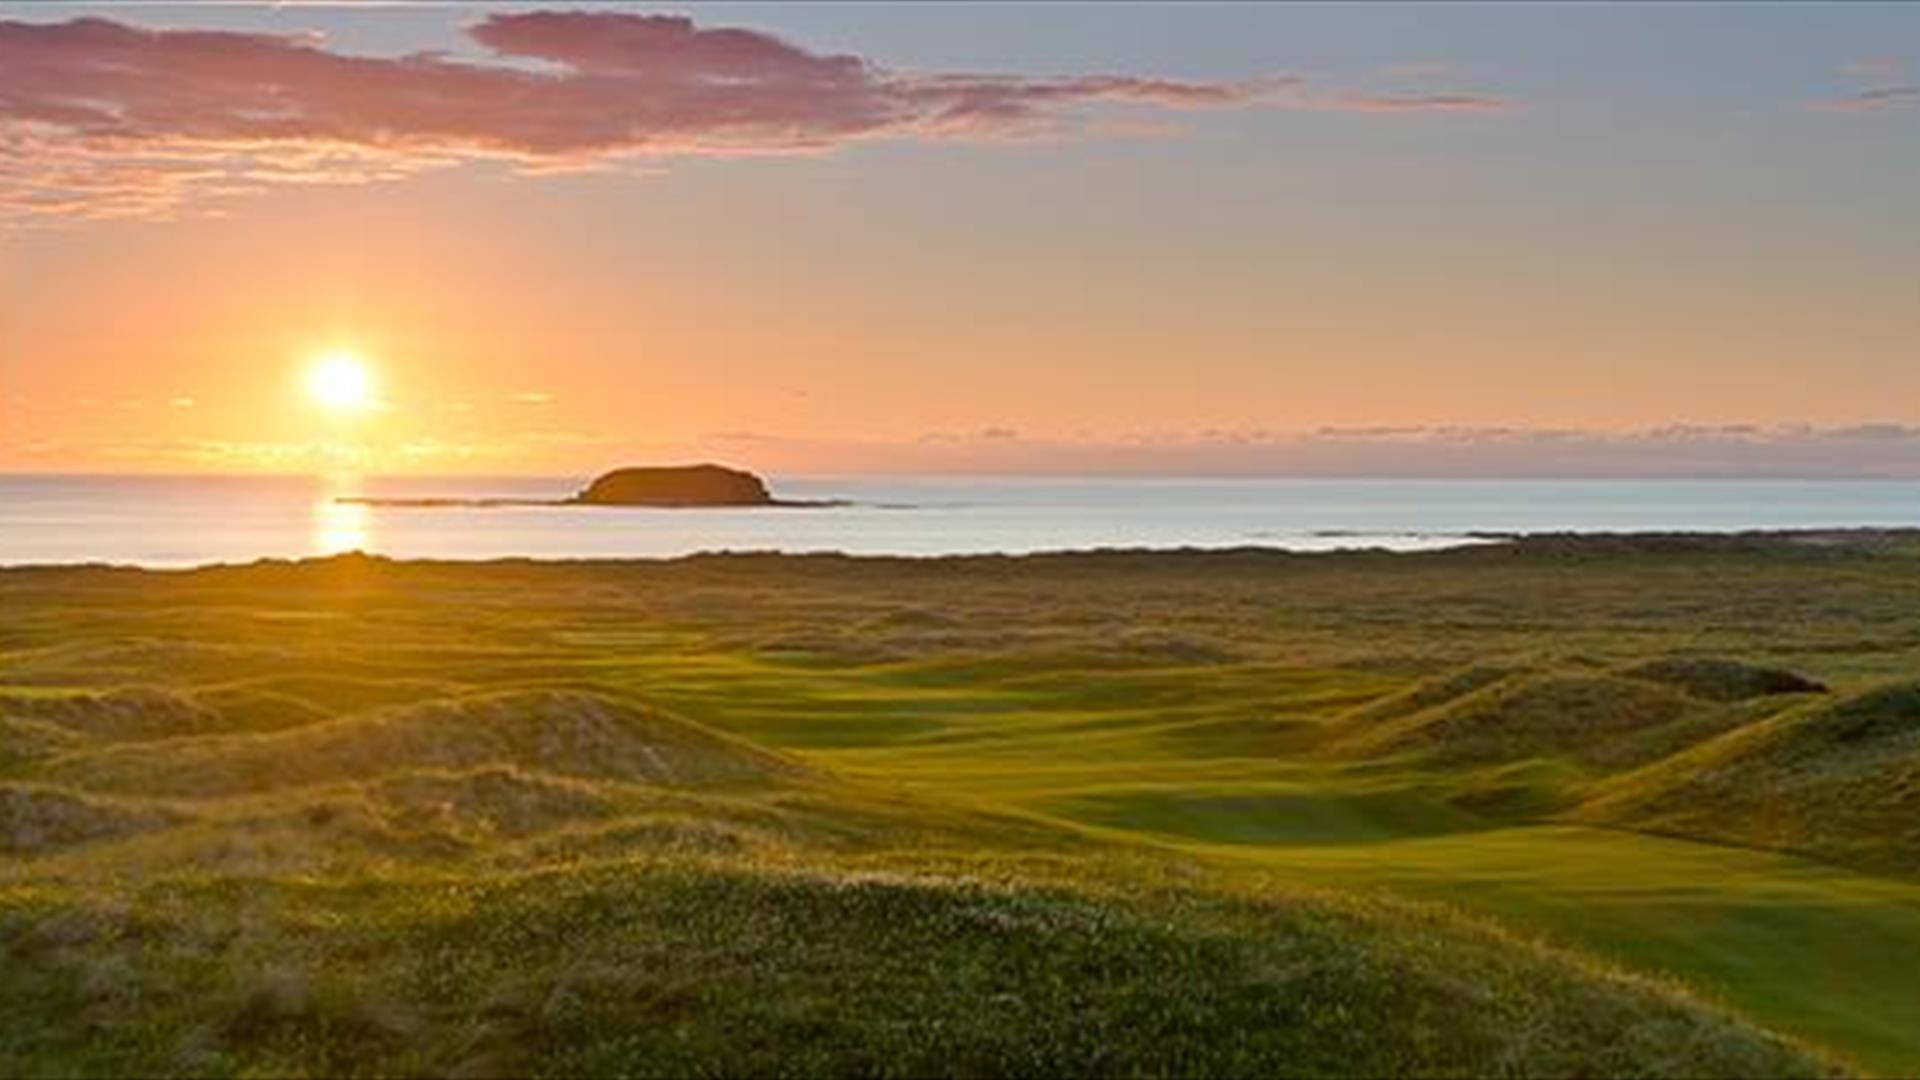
x=676, y=485
x=660, y=486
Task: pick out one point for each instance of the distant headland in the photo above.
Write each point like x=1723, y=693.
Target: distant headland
x=658, y=486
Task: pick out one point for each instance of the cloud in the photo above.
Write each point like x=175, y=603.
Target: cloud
x=1885, y=67
x=1876, y=99
x=1390, y=103
x=100, y=118
x=1884, y=450
x=1891, y=89
x=1889, y=450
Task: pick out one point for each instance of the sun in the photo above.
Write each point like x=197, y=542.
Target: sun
x=340, y=382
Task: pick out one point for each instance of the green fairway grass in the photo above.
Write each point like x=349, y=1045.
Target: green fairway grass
x=1559, y=806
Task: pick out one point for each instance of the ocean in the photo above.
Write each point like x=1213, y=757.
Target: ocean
x=188, y=521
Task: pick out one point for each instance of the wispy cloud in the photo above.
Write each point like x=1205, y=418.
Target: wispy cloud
x=1890, y=88
x=1876, y=99
x=1868, y=450
x=1874, y=66
x=100, y=118
x=1391, y=103
x=1683, y=450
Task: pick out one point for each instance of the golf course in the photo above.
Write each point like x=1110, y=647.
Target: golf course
x=1601, y=805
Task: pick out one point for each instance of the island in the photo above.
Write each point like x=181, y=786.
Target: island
x=659, y=486
x=676, y=485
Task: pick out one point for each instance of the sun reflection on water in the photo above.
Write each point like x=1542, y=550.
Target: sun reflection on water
x=340, y=527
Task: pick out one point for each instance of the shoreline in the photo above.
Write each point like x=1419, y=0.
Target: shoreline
x=1860, y=540
x=436, y=502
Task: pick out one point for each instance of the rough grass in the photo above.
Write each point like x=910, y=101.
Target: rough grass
x=1839, y=780
x=675, y=967
x=1721, y=679
x=1101, y=813
x=35, y=818
x=1595, y=719
x=563, y=732
x=123, y=714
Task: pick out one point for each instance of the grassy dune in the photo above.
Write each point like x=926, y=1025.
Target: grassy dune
x=1837, y=779
x=1561, y=806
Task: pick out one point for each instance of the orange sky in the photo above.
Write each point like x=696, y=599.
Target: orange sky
x=1262, y=271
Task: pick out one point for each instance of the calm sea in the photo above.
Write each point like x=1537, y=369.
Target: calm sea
x=186, y=521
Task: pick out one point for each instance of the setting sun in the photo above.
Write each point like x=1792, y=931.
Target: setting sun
x=340, y=382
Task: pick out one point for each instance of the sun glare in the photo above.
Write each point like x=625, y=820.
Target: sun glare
x=340, y=382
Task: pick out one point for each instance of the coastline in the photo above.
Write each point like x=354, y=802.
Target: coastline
x=178, y=522
x=455, y=502
x=1864, y=540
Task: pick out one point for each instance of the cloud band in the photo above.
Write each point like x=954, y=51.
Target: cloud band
x=99, y=118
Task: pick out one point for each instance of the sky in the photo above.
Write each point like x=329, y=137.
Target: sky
x=1412, y=239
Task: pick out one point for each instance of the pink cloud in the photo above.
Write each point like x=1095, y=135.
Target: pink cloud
x=1888, y=90
x=1882, y=67
x=1876, y=99
x=1391, y=103
x=98, y=118
x=1881, y=450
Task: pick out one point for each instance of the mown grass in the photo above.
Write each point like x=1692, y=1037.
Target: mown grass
x=1121, y=812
